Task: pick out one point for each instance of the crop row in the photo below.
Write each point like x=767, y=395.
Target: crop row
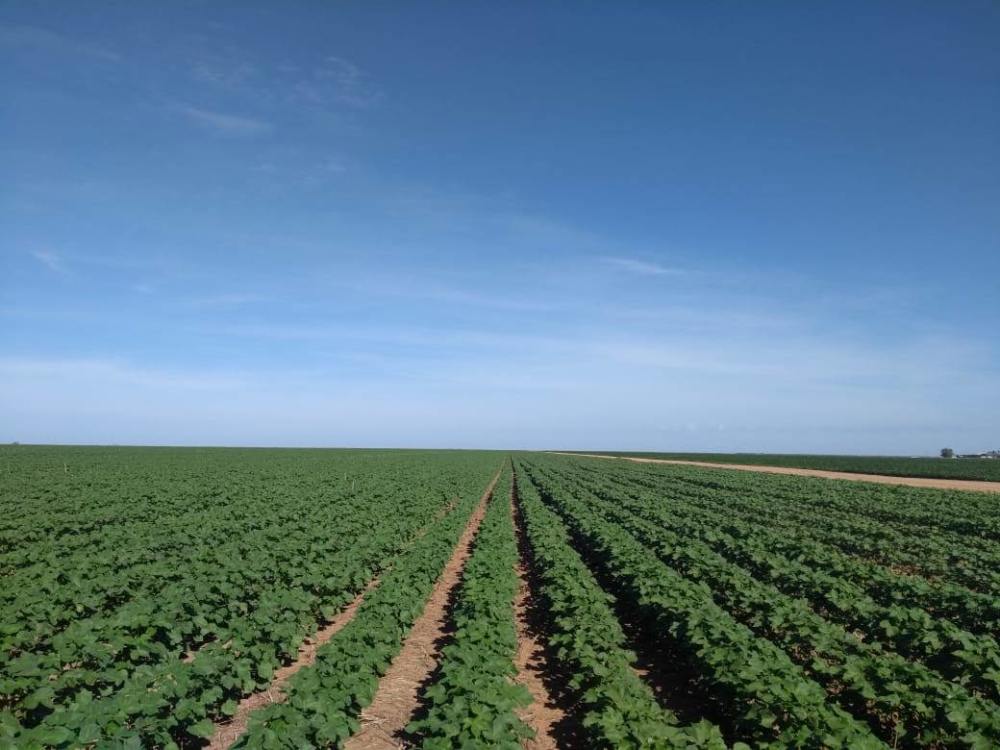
x=616, y=708
x=943, y=526
x=861, y=528
x=159, y=668
x=969, y=659
x=325, y=699
x=942, y=468
x=97, y=589
x=811, y=541
x=474, y=701
x=771, y=701
x=121, y=676
x=910, y=704
x=972, y=517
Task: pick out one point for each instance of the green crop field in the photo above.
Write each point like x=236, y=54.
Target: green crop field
x=160, y=597
x=985, y=469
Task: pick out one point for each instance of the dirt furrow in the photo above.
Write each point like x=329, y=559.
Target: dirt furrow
x=227, y=733
x=544, y=715
x=971, y=485
x=398, y=696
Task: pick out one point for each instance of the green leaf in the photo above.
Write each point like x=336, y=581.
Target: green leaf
x=204, y=729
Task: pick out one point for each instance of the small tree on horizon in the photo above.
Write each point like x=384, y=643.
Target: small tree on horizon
x=947, y=453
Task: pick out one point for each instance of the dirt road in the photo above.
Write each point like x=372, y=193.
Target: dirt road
x=926, y=482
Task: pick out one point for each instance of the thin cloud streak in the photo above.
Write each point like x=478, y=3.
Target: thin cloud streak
x=319, y=82
x=641, y=267
x=234, y=299
x=341, y=81
x=227, y=124
x=645, y=394
x=114, y=371
x=44, y=41
x=50, y=260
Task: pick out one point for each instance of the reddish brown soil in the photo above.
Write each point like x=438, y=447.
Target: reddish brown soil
x=398, y=696
x=543, y=715
x=937, y=484
x=226, y=734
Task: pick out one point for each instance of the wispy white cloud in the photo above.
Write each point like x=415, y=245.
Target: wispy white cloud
x=50, y=260
x=546, y=232
x=114, y=371
x=644, y=393
x=332, y=165
x=473, y=298
x=750, y=362
x=326, y=81
x=299, y=170
x=432, y=291
x=225, y=123
x=230, y=299
x=338, y=80
x=433, y=341
x=641, y=267
x=227, y=70
x=44, y=41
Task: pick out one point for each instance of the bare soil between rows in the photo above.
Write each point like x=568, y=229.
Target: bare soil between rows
x=397, y=699
x=228, y=732
x=971, y=485
x=548, y=715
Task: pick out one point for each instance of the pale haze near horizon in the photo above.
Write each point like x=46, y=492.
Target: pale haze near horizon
x=636, y=227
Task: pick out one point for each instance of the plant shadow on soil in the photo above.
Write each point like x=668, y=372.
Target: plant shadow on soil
x=411, y=739
x=566, y=733
x=660, y=662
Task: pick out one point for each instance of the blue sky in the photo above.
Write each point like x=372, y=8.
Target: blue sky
x=685, y=226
